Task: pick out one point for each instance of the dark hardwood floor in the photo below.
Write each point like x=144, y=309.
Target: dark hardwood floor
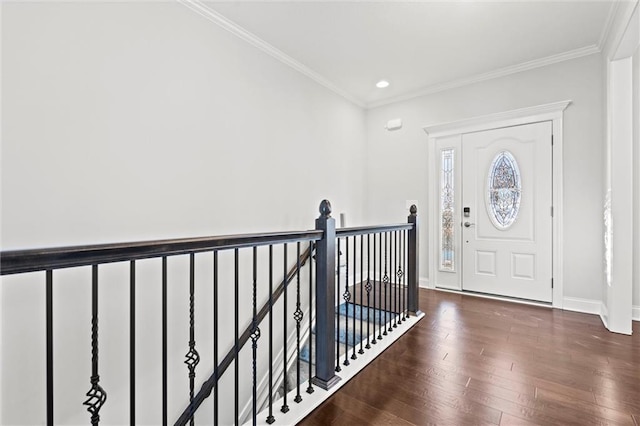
x=479, y=361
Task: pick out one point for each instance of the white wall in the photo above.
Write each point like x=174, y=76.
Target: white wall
x=143, y=121
x=132, y=121
x=397, y=161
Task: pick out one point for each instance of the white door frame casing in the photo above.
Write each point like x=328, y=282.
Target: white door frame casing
x=548, y=112
x=617, y=303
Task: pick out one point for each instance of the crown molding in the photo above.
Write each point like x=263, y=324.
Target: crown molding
x=541, y=112
x=618, y=12
x=500, y=72
x=620, y=19
x=626, y=34
x=606, y=31
x=203, y=10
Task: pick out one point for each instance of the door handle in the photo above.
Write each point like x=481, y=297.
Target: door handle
x=468, y=224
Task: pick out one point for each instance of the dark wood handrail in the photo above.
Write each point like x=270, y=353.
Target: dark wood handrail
x=209, y=384
x=361, y=230
x=32, y=260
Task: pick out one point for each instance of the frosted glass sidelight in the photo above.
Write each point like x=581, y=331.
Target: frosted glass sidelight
x=504, y=190
x=446, y=212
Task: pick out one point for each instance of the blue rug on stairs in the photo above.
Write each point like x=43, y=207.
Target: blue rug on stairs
x=363, y=312
x=346, y=312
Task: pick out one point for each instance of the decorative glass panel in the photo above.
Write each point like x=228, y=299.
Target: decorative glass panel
x=504, y=190
x=447, y=211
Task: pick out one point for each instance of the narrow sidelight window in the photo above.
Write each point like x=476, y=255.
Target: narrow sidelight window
x=447, y=244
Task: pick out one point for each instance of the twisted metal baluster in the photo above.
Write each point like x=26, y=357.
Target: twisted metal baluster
x=381, y=297
x=346, y=296
x=310, y=260
x=391, y=278
x=255, y=334
x=398, y=278
x=338, y=368
x=96, y=396
x=192, y=357
x=385, y=280
x=403, y=242
x=390, y=281
x=399, y=275
x=297, y=316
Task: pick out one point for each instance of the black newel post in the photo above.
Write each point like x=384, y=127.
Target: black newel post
x=325, y=299
x=412, y=273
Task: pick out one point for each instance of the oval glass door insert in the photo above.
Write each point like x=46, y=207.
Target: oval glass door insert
x=504, y=190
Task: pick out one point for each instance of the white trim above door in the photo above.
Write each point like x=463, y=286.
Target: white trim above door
x=442, y=136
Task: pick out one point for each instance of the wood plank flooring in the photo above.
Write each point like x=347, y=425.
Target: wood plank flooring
x=475, y=361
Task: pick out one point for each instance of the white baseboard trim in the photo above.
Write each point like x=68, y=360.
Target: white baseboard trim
x=423, y=282
x=447, y=287
x=493, y=297
x=604, y=315
x=635, y=313
x=586, y=306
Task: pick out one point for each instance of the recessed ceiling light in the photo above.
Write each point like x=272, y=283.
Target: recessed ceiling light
x=382, y=84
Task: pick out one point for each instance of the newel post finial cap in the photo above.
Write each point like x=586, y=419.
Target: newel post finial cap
x=325, y=208
x=413, y=209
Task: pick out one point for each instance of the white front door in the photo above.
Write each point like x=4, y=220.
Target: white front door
x=507, y=211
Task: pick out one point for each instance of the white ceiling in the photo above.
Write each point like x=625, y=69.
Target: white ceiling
x=419, y=47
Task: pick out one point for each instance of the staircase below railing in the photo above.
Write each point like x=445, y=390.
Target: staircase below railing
x=328, y=319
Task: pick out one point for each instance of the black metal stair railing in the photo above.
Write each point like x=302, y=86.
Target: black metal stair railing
x=369, y=298
x=52, y=259
x=375, y=300
x=379, y=298
x=251, y=333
